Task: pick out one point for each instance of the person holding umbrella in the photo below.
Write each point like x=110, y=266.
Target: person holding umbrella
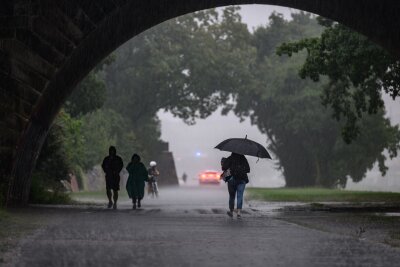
x=237, y=166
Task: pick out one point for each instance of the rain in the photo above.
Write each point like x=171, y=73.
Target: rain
x=162, y=133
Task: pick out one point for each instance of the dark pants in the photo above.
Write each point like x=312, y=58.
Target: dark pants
x=236, y=189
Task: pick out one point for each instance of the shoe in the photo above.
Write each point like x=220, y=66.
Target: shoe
x=230, y=214
x=115, y=206
x=134, y=206
x=239, y=216
x=138, y=204
x=110, y=204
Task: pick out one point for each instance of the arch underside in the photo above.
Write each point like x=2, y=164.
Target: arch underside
x=47, y=47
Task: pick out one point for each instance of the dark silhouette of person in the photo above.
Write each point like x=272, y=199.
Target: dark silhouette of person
x=136, y=181
x=184, y=177
x=112, y=166
x=238, y=167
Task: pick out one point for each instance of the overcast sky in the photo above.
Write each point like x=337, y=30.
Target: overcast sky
x=257, y=15
x=192, y=146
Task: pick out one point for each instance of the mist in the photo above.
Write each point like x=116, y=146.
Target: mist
x=193, y=146
x=187, y=140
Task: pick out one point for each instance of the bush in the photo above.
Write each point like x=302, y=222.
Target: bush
x=45, y=191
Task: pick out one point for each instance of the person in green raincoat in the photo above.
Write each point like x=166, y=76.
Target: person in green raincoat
x=137, y=176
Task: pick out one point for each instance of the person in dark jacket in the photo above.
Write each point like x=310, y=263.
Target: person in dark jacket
x=239, y=168
x=112, y=166
x=137, y=176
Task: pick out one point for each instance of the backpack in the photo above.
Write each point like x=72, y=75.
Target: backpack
x=239, y=170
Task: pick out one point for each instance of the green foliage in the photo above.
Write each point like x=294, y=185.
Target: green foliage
x=320, y=195
x=88, y=96
x=73, y=138
x=64, y=150
x=194, y=64
x=103, y=128
x=358, y=72
x=58, y=158
x=187, y=66
x=53, y=162
x=302, y=134
x=43, y=192
x=266, y=39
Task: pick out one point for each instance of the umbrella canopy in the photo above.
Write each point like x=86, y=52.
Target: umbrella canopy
x=244, y=146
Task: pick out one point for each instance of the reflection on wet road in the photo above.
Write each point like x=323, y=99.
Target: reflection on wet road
x=189, y=227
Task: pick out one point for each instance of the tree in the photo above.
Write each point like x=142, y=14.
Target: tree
x=188, y=66
x=63, y=151
x=106, y=127
x=90, y=94
x=303, y=136
x=60, y=155
x=194, y=64
x=358, y=71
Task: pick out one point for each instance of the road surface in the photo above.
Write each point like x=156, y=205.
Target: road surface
x=189, y=227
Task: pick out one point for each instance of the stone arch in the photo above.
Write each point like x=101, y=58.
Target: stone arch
x=47, y=47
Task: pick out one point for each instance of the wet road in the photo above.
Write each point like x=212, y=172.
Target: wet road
x=189, y=227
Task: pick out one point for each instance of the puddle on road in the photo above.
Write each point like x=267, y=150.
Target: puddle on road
x=390, y=214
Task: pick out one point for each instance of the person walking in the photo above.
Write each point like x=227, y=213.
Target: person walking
x=184, y=177
x=238, y=167
x=136, y=180
x=112, y=166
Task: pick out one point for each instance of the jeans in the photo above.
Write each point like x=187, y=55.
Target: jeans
x=235, y=189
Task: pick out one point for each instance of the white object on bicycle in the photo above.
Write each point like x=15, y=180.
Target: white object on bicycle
x=153, y=163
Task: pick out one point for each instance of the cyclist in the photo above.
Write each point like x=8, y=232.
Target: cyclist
x=153, y=175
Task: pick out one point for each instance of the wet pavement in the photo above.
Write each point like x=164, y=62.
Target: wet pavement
x=189, y=227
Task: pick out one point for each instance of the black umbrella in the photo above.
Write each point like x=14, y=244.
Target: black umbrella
x=244, y=146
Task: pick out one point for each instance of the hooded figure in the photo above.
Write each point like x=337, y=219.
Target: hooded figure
x=112, y=166
x=136, y=180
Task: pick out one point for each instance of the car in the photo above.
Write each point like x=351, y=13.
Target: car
x=209, y=177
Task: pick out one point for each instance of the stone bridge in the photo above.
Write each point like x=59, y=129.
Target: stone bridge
x=48, y=46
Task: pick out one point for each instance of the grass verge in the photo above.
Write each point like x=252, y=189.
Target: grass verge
x=320, y=195
x=95, y=194
x=51, y=198
x=94, y=197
